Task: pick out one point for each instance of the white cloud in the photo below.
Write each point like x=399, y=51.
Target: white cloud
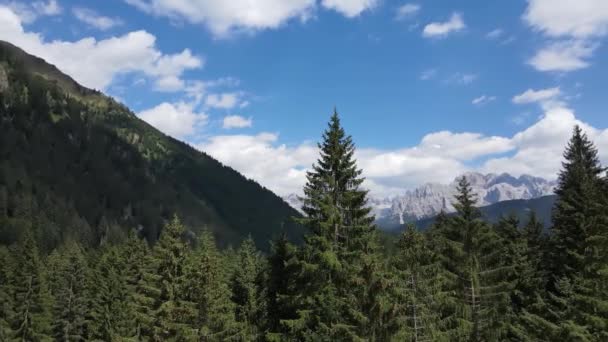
x=226, y=17
x=568, y=55
x=442, y=29
x=178, y=120
x=438, y=157
x=578, y=18
x=540, y=146
x=29, y=12
x=495, y=34
x=574, y=26
x=541, y=95
x=95, y=20
x=236, y=121
x=406, y=11
x=349, y=8
x=134, y=52
x=223, y=100
x=483, y=99
x=281, y=168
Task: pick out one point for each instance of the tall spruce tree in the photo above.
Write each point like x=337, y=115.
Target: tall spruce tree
x=72, y=298
x=579, y=244
x=31, y=316
x=208, y=288
x=338, y=264
x=418, y=286
x=533, y=283
x=110, y=309
x=472, y=255
x=279, y=287
x=246, y=291
x=173, y=312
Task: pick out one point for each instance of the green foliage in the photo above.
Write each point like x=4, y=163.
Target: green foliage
x=578, y=259
x=31, y=316
x=208, y=288
x=246, y=291
x=72, y=296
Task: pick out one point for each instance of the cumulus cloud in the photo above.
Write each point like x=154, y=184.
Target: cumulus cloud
x=134, y=52
x=406, y=11
x=226, y=17
x=438, y=157
x=349, y=8
x=280, y=167
x=178, y=120
x=94, y=19
x=568, y=55
x=236, y=121
x=573, y=26
x=442, y=29
x=557, y=18
x=541, y=95
x=539, y=148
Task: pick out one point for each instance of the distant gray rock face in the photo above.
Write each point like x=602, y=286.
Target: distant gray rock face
x=430, y=199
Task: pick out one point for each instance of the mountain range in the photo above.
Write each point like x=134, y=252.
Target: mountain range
x=430, y=199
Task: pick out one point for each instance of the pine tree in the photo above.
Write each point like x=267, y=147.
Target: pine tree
x=418, y=289
x=533, y=284
x=71, y=308
x=337, y=280
x=208, y=288
x=110, y=309
x=279, y=287
x=246, y=291
x=142, y=282
x=513, y=251
x=579, y=193
x=173, y=313
x=31, y=316
x=579, y=244
x=472, y=256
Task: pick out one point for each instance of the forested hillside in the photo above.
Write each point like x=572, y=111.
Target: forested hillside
x=464, y=279
x=77, y=165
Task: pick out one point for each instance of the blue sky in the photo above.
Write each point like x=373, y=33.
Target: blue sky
x=428, y=89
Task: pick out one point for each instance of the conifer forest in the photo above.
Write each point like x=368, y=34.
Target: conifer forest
x=462, y=279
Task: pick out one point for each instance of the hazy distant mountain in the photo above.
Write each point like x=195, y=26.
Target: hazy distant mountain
x=521, y=208
x=429, y=199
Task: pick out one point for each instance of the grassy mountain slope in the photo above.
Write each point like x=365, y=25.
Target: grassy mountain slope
x=88, y=168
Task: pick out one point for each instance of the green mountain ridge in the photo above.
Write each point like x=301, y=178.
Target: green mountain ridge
x=88, y=168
